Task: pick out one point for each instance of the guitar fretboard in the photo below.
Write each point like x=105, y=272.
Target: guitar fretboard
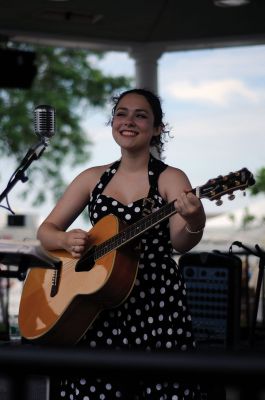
x=135, y=230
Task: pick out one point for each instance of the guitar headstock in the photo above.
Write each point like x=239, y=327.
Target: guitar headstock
x=214, y=189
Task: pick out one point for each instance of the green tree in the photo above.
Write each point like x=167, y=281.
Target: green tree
x=247, y=218
x=70, y=81
x=259, y=186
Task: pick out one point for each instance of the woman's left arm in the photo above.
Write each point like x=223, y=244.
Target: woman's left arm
x=186, y=226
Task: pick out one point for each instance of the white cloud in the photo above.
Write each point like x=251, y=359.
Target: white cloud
x=117, y=63
x=219, y=92
x=246, y=62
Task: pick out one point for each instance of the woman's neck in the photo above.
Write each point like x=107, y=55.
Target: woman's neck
x=134, y=162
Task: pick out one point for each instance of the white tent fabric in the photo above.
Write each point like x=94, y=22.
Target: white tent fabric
x=226, y=228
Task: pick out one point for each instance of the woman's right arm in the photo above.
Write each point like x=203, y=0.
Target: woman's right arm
x=52, y=232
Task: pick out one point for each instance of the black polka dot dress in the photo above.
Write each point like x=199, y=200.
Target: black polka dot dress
x=154, y=317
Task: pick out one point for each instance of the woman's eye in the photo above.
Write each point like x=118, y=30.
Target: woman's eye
x=141, y=115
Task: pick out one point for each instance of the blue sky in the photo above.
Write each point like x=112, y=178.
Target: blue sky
x=214, y=102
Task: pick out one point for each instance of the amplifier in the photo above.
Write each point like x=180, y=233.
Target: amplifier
x=213, y=282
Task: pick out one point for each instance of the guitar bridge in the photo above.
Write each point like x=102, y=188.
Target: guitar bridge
x=55, y=282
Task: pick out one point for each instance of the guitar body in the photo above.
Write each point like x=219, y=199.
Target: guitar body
x=57, y=307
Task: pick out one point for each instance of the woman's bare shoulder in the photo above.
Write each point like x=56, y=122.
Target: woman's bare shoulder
x=174, y=173
x=96, y=170
x=172, y=181
x=92, y=175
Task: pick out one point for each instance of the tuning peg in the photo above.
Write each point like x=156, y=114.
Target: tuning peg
x=219, y=202
x=231, y=197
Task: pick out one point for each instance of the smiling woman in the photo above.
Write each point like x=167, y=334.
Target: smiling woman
x=148, y=294
x=130, y=120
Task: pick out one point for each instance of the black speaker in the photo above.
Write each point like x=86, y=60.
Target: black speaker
x=17, y=68
x=16, y=220
x=213, y=282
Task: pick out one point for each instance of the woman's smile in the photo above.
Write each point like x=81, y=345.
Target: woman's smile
x=128, y=133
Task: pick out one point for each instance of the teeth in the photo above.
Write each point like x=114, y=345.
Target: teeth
x=128, y=133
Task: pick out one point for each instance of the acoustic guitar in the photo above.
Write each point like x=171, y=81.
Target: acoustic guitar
x=58, y=306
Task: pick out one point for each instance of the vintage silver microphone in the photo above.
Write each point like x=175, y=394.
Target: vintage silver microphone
x=44, y=121
x=44, y=128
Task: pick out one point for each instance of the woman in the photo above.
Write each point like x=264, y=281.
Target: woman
x=155, y=315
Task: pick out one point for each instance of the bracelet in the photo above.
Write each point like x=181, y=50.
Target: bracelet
x=194, y=232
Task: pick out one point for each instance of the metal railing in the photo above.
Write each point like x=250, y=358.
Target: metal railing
x=241, y=369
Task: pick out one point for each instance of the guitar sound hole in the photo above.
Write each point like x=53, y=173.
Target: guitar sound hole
x=87, y=261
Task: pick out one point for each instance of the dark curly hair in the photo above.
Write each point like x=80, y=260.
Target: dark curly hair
x=154, y=101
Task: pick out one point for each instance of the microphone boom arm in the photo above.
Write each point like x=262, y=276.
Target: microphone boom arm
x=19, y=175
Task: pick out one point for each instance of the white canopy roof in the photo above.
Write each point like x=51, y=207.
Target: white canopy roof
x=226, y=228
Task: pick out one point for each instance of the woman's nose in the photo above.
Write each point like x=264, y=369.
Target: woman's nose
x=129, y=120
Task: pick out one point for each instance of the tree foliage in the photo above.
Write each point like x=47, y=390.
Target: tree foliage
x=70, y=81
x=259, y=186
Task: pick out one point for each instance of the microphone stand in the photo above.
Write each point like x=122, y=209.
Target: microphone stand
x=22, y=260
x=19, y=175
x=24, y=255
x=257, y=252
x=257, y=294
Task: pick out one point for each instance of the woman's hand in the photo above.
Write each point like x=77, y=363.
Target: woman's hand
x=191, y=210
x=76, y=242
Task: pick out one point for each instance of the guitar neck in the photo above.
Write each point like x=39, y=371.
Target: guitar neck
x=135, y=230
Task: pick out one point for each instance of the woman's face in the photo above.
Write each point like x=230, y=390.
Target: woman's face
x=133, y=122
